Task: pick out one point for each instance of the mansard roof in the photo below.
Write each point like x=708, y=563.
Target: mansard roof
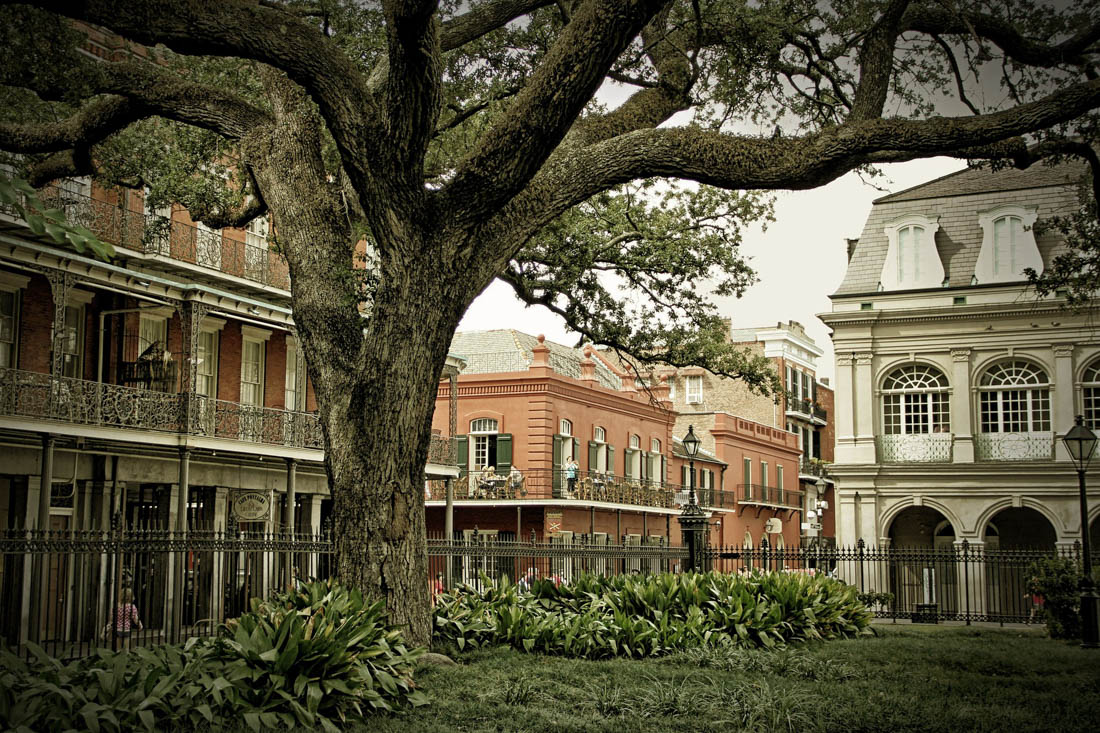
x=956, y=201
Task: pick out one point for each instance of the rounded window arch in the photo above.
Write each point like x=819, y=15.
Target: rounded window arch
x=635, y=441
x=484, y=425
x=599, y=434
x=1014, y=397
x=1090, y=394
x=915, y=401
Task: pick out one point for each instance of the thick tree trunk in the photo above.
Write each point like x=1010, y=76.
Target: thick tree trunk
x=375, y=377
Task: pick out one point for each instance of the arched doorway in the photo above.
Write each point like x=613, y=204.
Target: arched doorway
x=1014, y=538
x=1020, y=528
x=921, y=527
x=923, y=563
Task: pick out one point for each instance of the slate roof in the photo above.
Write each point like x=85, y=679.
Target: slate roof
x=957, y=199
x=508, y=350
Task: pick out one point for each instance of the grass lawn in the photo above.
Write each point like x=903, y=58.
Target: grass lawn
x=909, y=678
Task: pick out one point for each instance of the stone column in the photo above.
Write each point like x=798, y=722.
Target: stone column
x=1062, y=394
x=864, y=398
x=179, y=527
x=217, y=583
x=962, y=449
x=844, y=413
x=173, y=581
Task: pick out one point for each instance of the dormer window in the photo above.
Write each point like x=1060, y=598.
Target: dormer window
x=1008, y=245
x=912, y=260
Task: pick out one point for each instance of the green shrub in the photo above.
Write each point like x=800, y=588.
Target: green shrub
x=637, y=616
x=1057, y=580
x=310, y=657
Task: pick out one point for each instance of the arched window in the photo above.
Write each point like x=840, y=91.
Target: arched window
x=655, y=445
x=1008, y=240
x=915, y=401
x=483, y=432
x=1090, y=395
x=635, y=441
x=599, y=435
x=1014, y=398
x=566, y=427
x=909, y=240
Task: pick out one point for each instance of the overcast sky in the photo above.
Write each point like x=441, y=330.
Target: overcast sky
x=799, y=260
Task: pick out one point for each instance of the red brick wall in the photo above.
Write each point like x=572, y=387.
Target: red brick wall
x=825, y=398
x=36, y=320
x=275, y=371
x=229, y=363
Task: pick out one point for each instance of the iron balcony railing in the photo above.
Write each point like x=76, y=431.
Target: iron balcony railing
x=820, y=413
x=812, y=467
x=1032, y=446
x=769, y=496
x=915, y=448
x=81, y=402
x=158, y=235
x=806, y=407
x=588, y=486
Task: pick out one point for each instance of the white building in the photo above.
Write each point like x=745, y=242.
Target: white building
x=954, y=382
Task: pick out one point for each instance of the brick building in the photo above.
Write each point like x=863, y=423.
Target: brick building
x=526, y=406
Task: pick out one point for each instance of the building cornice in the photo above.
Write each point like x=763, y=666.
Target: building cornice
x=940, y=313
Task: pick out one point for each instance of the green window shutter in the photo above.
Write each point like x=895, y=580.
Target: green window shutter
x=556, y=472
x=664, y=469
x=576, y=450
x=462, y=451
x=684, y=475
x=610, y=459
x=628, y=462
x=593, y=455
x=504, y=453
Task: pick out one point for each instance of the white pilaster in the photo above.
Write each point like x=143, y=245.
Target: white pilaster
x=1062, y=394
x=961, y=424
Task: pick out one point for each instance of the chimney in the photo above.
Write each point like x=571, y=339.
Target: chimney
x=588, y=367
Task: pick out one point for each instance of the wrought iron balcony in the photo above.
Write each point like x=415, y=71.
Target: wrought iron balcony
x=1032, y=446
x=916, y=448
x=589, y=486
x=769, y=496
x=797, y=406
x=158, y=235
x=81, y=402
x=812, y=467
x=820, y=413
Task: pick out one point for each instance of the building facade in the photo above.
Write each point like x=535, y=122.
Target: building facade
x=164, y=390
x=804, y=409
x=526, y=406
x=954, y=381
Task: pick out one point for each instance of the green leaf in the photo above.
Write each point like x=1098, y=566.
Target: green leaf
x=252, y=720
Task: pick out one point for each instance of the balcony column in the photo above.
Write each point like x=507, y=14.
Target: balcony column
x=180, y=526
x=315, y=529
x=61, y=284
x=962, y=449
x=299, y=376
x=1062, y=393
x=844, y=413
x=191, y=315
x=221, y=519
x=289, y=518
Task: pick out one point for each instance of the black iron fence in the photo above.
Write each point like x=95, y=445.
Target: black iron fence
x=955, y=583
x=73, y=591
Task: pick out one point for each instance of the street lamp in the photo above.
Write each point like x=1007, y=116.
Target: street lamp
x=691, y=447
x=1081, y=444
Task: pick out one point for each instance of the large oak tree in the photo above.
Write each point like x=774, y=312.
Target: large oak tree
x=469, y=141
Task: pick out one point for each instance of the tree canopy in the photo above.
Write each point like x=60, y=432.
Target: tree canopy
x=599, y=156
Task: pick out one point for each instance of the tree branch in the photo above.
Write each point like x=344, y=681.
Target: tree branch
x=515, y=147
x=484, y=18
x=876, y=63
x=91, y=124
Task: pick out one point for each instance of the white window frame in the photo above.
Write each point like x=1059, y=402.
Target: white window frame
x=78, y=300
x=923, y=406
x=482, y=430
x=987, y=269
x=254, y=336
x=291, y=398
x=14, y=284
x=693, y=388
x=1033, y=400
x=599, y=436
x=1090, y=395
x=256, y=248
x=926, y=258
x=565, y=427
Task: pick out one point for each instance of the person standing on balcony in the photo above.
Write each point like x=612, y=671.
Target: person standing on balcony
x=571, y=475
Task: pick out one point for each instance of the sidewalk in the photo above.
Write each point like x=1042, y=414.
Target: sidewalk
x=1040, y=629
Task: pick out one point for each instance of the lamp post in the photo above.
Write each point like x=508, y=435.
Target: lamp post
x=1081, y=444
x=693, y=520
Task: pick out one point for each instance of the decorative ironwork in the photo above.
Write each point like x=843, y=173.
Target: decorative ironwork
x=769, y=496
x=157, y=235
x=77, y=401
x=1014, y=446
x=915, y=448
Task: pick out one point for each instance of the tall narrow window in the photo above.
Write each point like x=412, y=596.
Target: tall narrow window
x=9, y=320
x=746, y=477
x=693, y=385
x=290, y=384
x=763, y=473
x=915, y=401
x=1090, y=395
x=72, y=342
x=909, y=254
x=252, y=373
x=152, y=336
x=599, y=437
x=255, y=249
x=1008, y=235
x=206, y=366
x=483, y=435
x=566, y=429
x=1014, y=397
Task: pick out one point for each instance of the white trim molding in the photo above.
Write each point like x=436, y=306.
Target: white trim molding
x=929, y=272
x=1026, y=250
